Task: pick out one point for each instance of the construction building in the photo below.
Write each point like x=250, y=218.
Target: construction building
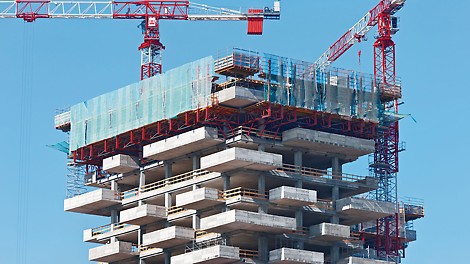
x=234, y=159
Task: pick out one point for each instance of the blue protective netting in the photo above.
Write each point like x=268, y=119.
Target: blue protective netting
x=160, y=97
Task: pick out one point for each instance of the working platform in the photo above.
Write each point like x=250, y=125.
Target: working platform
x=94, y=202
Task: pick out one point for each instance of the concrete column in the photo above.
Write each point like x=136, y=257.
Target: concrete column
x=114, y=220
x=226, y=179
x=263, y=208
x=334, y=197
x=196, y=222
x=167, y=256
x=141, y=184
x=336, y=168
x=168, y=168
x=196, y=158
x=263, y=253
x=334, y=254
x=299, y=220
x=114, y=186
x=168, y=200
x=298, y=163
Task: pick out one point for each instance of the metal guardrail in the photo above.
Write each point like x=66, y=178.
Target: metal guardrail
x=108, y=228
x=311, y=172
x=248, y=253
x=242, y=130
x=175, y=210
x=164, y=183
x=239, y=191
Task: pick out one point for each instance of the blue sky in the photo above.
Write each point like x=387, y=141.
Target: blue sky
x=73, y=60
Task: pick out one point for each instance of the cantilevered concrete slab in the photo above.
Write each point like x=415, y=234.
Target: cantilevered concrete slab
x=359, y=210
x=239, y=97
x=120, y=164
x=168, y=237
x=236, y=158
x=199, y=199
x=152, y=255
x=356, y=260
x=287, y=195
x=215, y=255
x=112, y=252
x=244, y=220
x=294, y=256
x=142, y=215
x=124, y=232
x=92, y=202
x=329, y=232
x=182, y=144
x=323, y=142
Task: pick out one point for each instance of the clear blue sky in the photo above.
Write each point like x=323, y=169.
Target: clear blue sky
x=73, y=60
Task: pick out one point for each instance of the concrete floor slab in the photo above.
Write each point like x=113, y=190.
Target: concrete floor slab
x=182, y=144
x=120, y=164
x=286, y=195
x=295, y=256
x=214, y=255
x=329, y=232
x=168, y=237
x=239, y=97
x=92, y=202
x=236, y=158
x=356, y=260
x=199, y=199
x=142, y=215
x=112, y=252
x=357, y=210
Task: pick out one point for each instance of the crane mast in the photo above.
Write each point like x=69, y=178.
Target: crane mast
x=150, y=12
x=385, y=160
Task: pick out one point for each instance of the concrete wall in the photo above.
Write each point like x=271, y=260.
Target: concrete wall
x=236, y=158
x=120, y=164
x=292, y=196
x=182, y=144
x=215, y=254
x=291, y=255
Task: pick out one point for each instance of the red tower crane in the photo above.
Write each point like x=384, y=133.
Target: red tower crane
x=150, y=12
x=385, y=164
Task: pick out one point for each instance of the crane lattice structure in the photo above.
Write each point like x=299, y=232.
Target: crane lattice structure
x=150, y=12
x=385, y=162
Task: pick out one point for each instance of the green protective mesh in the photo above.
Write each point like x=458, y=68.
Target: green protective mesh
x=160, y=97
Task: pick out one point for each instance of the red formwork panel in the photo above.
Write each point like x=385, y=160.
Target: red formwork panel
x=255, y=24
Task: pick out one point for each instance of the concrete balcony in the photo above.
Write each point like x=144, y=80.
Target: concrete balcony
x=356, y=260
x=244, y=220
x=112, y=252
x=218, y=254
x=152, y=255
x=102, y=234
x=357, y=210
x=237, y=158
x=199, y=199
x=293, y=256
x=142, y=215
x=329, y=232
x=182, y=144
x=93, y=202
x=291, y=196
x=120, y=164
x=168, y=237
x=323, y=142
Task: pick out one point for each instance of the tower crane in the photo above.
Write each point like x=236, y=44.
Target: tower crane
x=385, y=164
x=150, y=12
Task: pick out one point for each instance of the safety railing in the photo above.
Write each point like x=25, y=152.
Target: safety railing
x=311, y=172
x=174, y=210
x=301, y=230
x=164, y=183
x=324, y=204
x=200, y=233
x=414, y=206
x=242, y=130
x=108, y=228
x=248, y=253
x=237, y=59
x=239, y=191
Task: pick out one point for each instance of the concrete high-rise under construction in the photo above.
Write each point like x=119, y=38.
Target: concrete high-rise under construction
x=235, y=159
